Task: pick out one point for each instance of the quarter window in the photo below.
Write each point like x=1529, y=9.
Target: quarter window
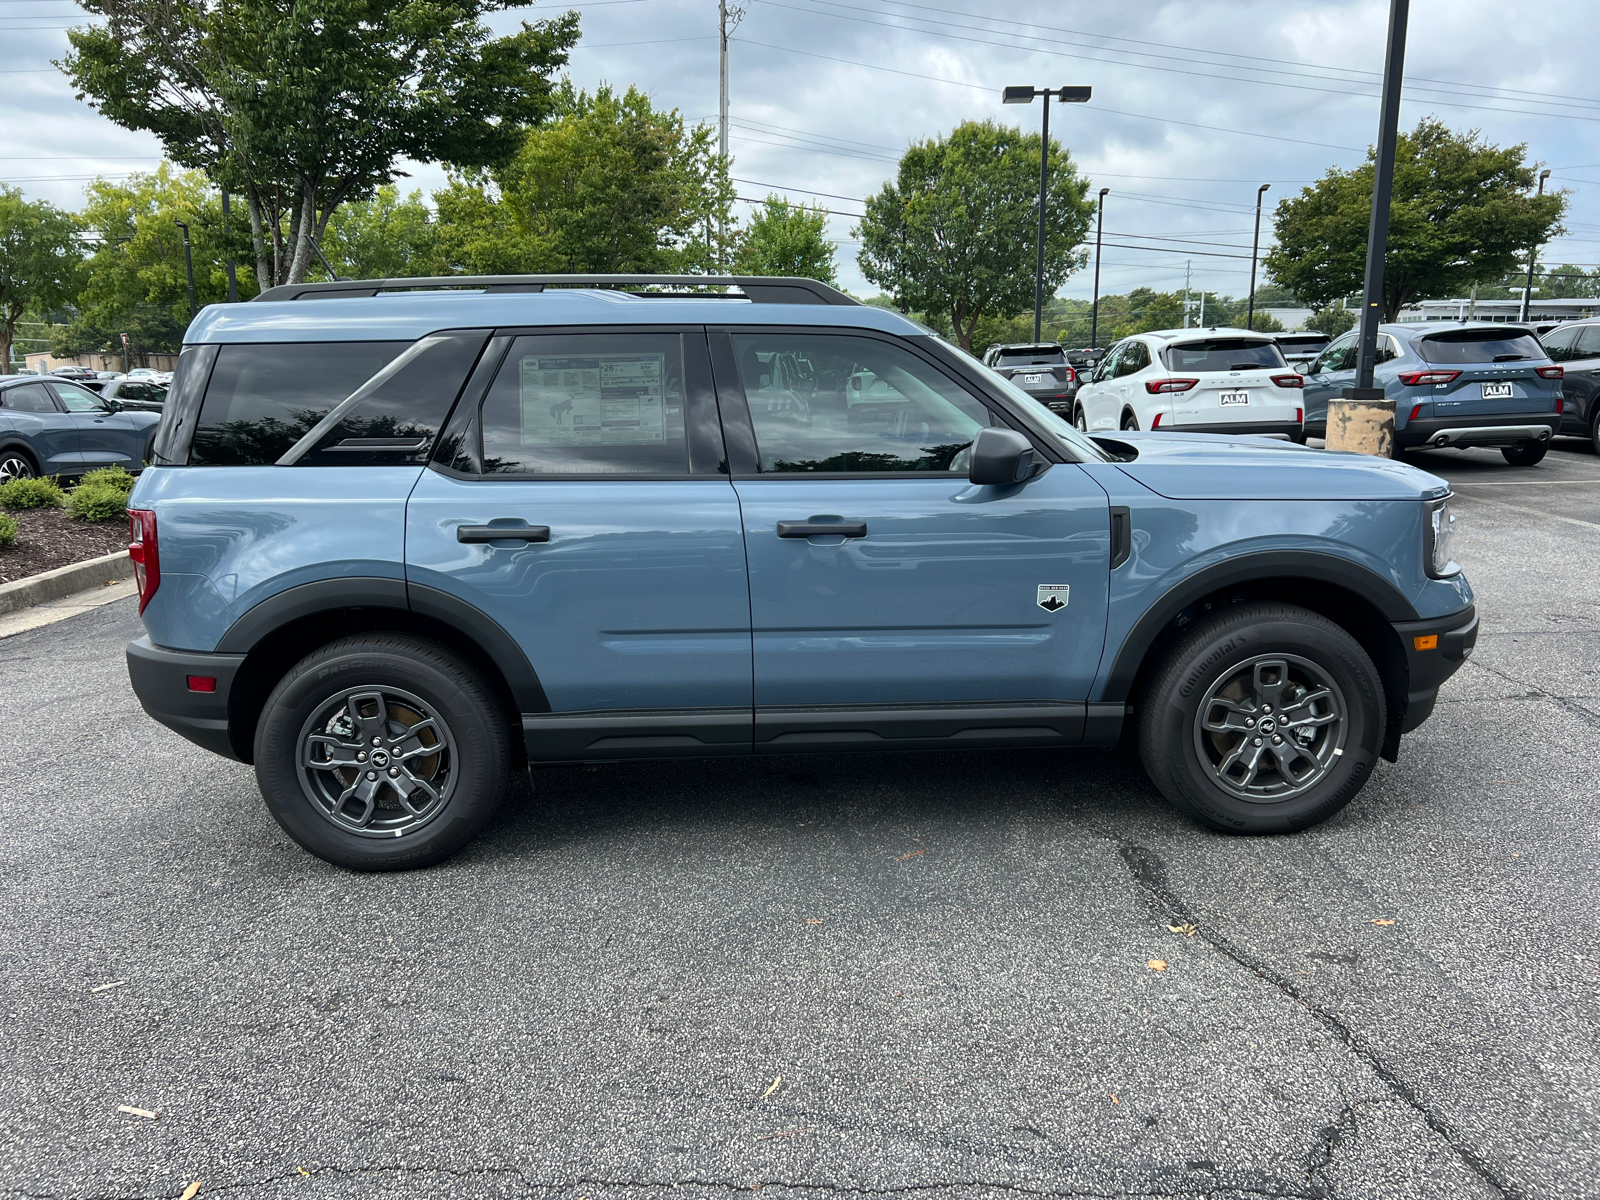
x=1588, y=342
x=832, y=403
x=1558, y=343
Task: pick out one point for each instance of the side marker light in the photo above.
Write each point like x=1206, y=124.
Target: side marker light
x=1428, y=641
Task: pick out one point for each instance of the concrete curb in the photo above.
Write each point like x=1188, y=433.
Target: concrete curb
x=64, y=581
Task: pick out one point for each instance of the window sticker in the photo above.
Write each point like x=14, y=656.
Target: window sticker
x=593, y=399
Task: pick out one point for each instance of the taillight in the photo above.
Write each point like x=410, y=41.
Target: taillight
x=1072, y=376
x=144, y=552
x=1414, y=378
x=1157, y=387
x=1298, y=381
x=1550, y=372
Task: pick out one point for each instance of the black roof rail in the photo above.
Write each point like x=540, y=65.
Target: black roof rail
x=759, y=289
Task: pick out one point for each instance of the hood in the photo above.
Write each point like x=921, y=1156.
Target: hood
x=1219, y=467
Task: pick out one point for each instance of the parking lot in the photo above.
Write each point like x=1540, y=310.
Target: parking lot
x=922, y=974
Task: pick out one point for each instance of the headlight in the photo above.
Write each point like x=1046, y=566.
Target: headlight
x=1438, y=532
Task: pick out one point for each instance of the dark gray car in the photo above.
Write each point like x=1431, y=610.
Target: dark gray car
x=57, y=427
x=1039, y=368
x=1576, y=346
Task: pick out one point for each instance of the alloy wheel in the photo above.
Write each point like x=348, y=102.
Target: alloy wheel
x=1271, y=728
x=377, y=761
x=14, y=466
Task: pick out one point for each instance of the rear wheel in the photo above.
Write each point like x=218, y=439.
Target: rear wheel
x=1079, y=420
x=382, y=752
x=1265, y=718
x=1130, y=422
x=14, y=464
x=1594, y=429
x=1524, y=454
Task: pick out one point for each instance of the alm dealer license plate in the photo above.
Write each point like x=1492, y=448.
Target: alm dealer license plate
x=1497, y=391
x=1227, y=398
x=1033, y=381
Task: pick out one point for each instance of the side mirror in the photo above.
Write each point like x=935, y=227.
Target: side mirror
x=112, y=406
x=1001, y=456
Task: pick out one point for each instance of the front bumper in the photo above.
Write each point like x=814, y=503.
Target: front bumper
x=1478, y=431
x=1431, y=663
x=160, y=679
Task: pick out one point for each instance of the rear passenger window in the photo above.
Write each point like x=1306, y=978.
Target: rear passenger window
x=588, y=404
x=30, y=397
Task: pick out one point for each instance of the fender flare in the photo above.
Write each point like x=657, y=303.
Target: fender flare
x=15, y=442
x=324, y=595
x=1265, y=564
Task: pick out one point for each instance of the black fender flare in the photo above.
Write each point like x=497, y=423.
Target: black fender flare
x=347, y=592
x=1265, y=564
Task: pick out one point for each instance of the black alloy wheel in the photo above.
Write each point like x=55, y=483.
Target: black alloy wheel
x=1525, y=454
x=14, y=464
x=381, y=752
x=1263, y=718
x=1130, y=422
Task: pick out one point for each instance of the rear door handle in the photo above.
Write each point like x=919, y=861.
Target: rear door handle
x=497, y=533
x=815, y=528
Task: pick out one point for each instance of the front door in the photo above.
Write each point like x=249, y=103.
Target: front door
x=1334, y=370
x=892, y=601
x=621, y=568
x=105, y=438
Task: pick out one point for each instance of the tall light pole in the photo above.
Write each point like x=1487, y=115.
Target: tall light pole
x=1094, y=312
x=1255, y=249
x=233, y=275
x=1025, y=95
x=188, y=264
x=1532, y=256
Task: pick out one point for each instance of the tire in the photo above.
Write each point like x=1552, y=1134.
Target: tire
x=1524, y=454
x=1130, y=422
x=1594, y=429
x=364, y=694
x=1079, y=421
x=14, y=464
x=1223, y=673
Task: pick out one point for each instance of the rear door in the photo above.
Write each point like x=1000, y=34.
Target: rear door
x=52, y=435
x=1497, y=376
x=892, y=602
x=1580, y=385
x=621, y=572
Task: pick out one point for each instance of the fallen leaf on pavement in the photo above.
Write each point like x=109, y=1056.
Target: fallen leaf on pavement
x=137, y=1112
x=106, y=987
x=1382, y=921
x=773, y=1088
x=813, y=920
x=1155, y=964
x=304, y=1172
x=1186, y=929
x=1114, y=1099
x=913, y=854
x=190, y=1192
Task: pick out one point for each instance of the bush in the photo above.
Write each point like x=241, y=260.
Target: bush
x=97, y=502
x=114, y=477
x=31, y=493
x=8, y=530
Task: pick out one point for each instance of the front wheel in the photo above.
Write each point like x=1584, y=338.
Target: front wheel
x=381, y=752
x=1524, y=454
x=1265, y=718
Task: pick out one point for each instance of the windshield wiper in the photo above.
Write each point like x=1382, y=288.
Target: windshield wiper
x=1509, y=357
x=1245, y=367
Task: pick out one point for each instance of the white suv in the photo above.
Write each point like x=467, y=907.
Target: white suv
x=1194, y=381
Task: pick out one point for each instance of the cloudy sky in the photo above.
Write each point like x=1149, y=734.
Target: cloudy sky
x=1195, y=103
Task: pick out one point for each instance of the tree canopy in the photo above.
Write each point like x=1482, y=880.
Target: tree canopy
x=956, y=232
x=611, y=185
x=39, y=262
x=303, y=106
x=787, y=239
x=386, y=237
x=1461, y=213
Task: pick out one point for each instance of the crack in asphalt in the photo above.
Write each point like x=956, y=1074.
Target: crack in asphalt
x=1535, y=691
x=1150, y=873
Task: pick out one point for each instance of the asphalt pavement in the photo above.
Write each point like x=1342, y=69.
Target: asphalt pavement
x=923, y=975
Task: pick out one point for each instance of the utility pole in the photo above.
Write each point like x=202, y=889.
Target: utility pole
x=1255, y=249
x=188, y=264
x=233, y=278
x=728, y=18
x=1094, y=317
x=1533, y=256
x=1187, y=263
x=1202, y=308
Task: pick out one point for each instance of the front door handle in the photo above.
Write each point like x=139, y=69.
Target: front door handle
x=498, y=533
x=817, y=528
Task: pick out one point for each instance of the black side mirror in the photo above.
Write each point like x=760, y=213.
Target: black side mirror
x=111, y=405
x=1001, y=456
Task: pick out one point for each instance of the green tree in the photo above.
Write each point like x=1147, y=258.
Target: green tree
x=612, y=185
x=956, y=232
x=787, y=239
x=304, y=106
x=1461, y=213
x=1332, y=320
x=382, y=238
x=39, y=262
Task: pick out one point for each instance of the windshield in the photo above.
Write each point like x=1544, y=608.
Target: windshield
x=1222, y=354
x=1079, y=443
x=1480, y=346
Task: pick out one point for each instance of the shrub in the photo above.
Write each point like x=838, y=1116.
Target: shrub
x=8, y=530
x=109, y=477
x=31, y=493
x=97, y=502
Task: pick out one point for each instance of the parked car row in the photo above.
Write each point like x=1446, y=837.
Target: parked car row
x=60, y=427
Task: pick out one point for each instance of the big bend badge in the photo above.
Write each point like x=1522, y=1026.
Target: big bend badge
x=1053, y=597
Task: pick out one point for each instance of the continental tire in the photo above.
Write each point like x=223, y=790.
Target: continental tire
x=1264, y=718
x=382, y=752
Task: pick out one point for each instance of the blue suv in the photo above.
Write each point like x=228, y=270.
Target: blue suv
x=1454, y=384
x=403, y=537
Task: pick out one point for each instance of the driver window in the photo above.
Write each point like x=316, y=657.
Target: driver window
x=1558, y=344
x=78, y=399
x=835, y=403
x=1108, y=364
x=1339, y=356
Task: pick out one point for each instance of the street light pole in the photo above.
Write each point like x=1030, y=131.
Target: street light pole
x=1025, y=95
x=1094, y=317
x=1255, y=249
x=1533, y=257
x=233, y=275
x=188, y=264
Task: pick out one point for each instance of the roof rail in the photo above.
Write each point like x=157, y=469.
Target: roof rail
x=759, y=289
